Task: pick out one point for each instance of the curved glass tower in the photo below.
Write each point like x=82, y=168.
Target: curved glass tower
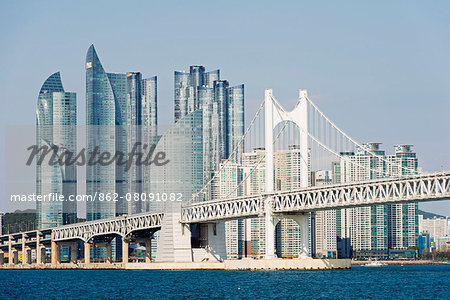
x=56, y=119
x=100, y=121
x=106, y=120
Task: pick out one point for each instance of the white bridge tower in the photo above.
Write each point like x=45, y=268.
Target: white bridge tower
x=275, y=114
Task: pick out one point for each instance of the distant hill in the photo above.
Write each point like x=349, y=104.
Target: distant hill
x=428, y=215
x=20, y=220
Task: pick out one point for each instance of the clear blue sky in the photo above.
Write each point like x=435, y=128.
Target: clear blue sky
x=378, y=69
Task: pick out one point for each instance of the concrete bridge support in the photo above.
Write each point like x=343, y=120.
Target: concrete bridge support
x=38, y=249
x=15, y=257
x=108, y=252
x=27, y=258
x=174, y=243
x=87, y=253
x=2, y=258
x=10, y=252
x=24, y=251
x=40, y=255
x=54, y=253
x=302, y=221
x=217, y=249
x=148, y=251
x=125, y=245
x=73, y=252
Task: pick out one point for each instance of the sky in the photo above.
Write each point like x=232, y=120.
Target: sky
x=379, y=69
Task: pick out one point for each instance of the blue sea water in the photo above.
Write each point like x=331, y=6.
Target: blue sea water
x=391, y=282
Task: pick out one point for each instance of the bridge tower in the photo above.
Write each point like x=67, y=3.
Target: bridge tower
x=275, y=114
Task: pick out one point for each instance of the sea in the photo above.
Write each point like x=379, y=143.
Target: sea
x=359, y=282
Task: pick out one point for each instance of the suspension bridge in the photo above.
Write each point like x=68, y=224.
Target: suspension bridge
x=366, y=178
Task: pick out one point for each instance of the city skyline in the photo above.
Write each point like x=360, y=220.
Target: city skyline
x=307, y=140
x=392, y=92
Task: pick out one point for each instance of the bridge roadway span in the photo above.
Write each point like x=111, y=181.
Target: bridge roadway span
x=139, y=227
x=429, y=187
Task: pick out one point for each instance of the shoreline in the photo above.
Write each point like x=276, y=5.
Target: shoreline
x=231, y=265
x=401, y=262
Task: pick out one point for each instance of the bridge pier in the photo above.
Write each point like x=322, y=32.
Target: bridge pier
x=15, y=257
x=108, y=253
x=73, y=252
x=40, y=255
x=24, y=249
x=174, y=243
x=2, y=257
x=54, y=254
x=10, y=251
x=38, y=249
x=148, y=251
x=125, y=256
x=302, y=221
x=28, y=253
x=87, y=253
x=270, y=223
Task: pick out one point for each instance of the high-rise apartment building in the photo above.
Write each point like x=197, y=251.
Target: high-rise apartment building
x=223, y=115
x=246, y=238
x=325, y=221
x=372, y=230
x=253, y=165
x=142, y=132
x=365, y=227
x=287, y=177
x=435, y=227
x=229, y=185
x=403, y=229
x=56, y=120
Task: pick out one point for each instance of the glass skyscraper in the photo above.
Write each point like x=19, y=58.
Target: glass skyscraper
x=106, y=120
x=56, y=119
x=223, y=114
x=142, y=132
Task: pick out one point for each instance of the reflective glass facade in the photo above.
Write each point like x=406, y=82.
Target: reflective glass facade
x=100, y=120
x=56, y=119
x=223, y=114
x=182, y=175
x=142, y=132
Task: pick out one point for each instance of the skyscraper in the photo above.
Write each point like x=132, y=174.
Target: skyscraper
x=56, y=119
x=186, y=89
x=364, y=227
x=223, y=115
x=403, y=229
x=287, y=165
x=142, y=132
x=229, y=185
x=106, y=120
x=325, y=220
x=246, y=238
